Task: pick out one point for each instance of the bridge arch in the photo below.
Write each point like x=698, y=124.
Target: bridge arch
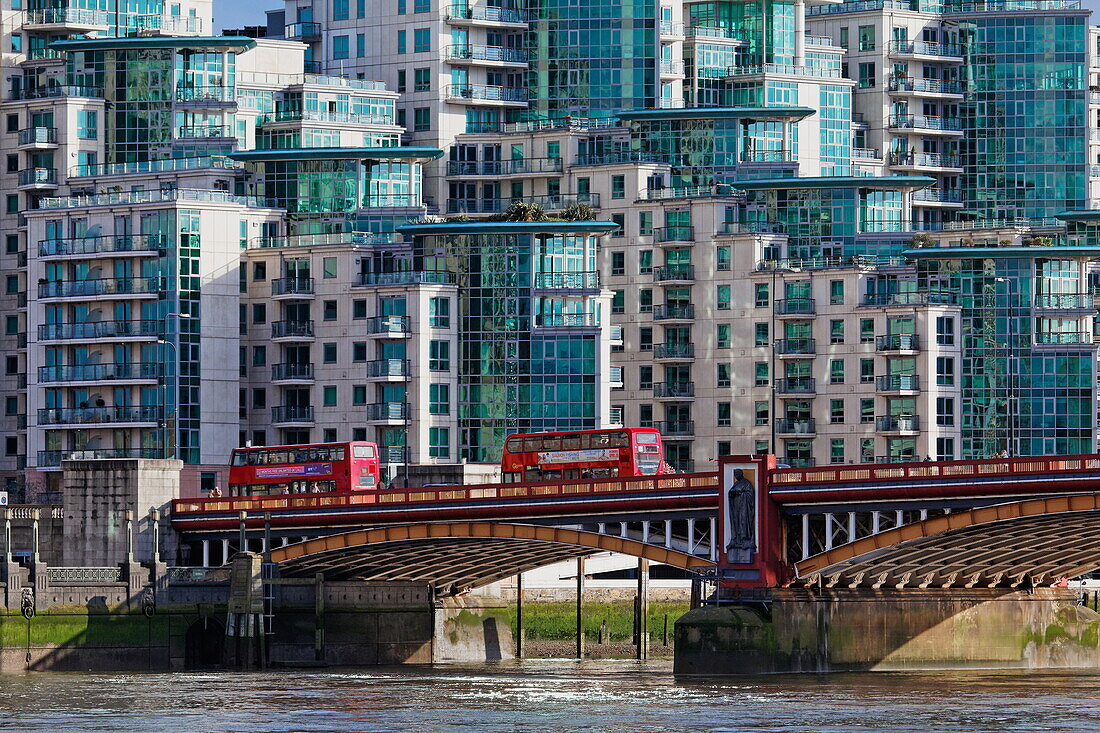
x=1032, y=542
x=455, y=556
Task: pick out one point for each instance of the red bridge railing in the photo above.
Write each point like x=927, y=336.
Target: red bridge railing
x=981, y=468
x=428, y=495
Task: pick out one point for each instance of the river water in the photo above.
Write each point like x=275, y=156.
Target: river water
x=548, y=695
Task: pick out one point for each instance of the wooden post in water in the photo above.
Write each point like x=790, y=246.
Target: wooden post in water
x=643, y=608
x=580, y=615
x=519, y=616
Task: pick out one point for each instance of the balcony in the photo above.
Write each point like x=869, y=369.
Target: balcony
x=558, y=202
x=515, y=167
x=615, y=377
x=123, y=286
x=670, y=67
x=386, y=412
x=796, y=386
x=292, y=415
x=567, y=281
x=866, y=154
x=204, y=132
x=149, y=245
x=926, y=161
x=1068, y=302
x=926, y=87
x=761, y=157
x=292, y=372
x=37, y=178
x=292, y=330
x=290, y=288
x=796, y=307
x=927, y=124
x=388, y=326
x=898, y=343
x=674, y=234
x=673, y=312
x=897, y=424
x=792, y=461
x=486, y=94
x=99, y=373
x=492, y=16
x=39, y=138
x=393, y=454
x=406, y=277
x=926, y=51
x=674, y=390
x=795, y=347
x=53, y=92
x=113, y=330
x=674, y=352
x=66, y=19
x=305, y=32
x=395, y=369
x=567, y=320
x=898, y=383
x=907, y=299
x=53, y=458
x=938, y=197
x=675, y=428
x=206, y=96
x=787, y=426
x=674, y=273
x=664, y=193
x=1071, y=338
x=100, y=415
x=487, y=55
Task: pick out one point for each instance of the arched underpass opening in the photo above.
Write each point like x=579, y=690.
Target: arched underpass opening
x=457, y=556
x=204, y=644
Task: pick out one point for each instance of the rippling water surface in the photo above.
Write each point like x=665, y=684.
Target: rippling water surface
x=548, y=695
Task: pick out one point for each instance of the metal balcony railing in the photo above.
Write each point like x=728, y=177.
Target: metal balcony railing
x=499, y=54
x=926, y=160
x=283, y=372
x=897, y=424
x=101, y=287
x=486, y=13
x=86, y=415
x=98, y=372
x=926, y=48
x=38, y=135
x=673, y=312
x=674, y=234
x=292, y=286
x=926, y=122
x=1065, y=301
x=292, y=329
x=302, y=31
x=151, y=243
x=396, y=325
x=796, y=385
x=788, y=426
x=567, y=320
x=898, y=383
x=387, y=368
x=99, y=329
x=503, y=167
x=567, y=280
x=897, y=342
x=674, y=272
x=386, y=411
x=674, y=389
x=675, y=427
x=289, y=414
x=795, y=347
x=931, y=86
x=486, y=93
x=908, y=298
x=796, y=307
x=674, y=351
x=38, y=177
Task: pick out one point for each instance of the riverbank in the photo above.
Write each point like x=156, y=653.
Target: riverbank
x=611, y=622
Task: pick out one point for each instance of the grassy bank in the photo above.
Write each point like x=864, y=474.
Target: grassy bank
x=558, y=621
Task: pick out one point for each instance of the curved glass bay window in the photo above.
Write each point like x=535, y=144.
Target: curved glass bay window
x=533, y=349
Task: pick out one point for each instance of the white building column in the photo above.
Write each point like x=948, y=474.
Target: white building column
x=799, y=32
x=206, y=553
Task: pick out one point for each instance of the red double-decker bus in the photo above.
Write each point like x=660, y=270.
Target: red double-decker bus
x=297, y=469
x=583, y=454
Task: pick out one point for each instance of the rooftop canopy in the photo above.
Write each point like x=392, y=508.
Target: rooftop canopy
x=239, y=43
x=509, y=227
x=394, y=153
x=876, y=182
x=956, y=253
x=720, y=113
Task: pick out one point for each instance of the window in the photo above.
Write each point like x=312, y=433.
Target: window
x=259, y=356
x=867, y=410
x=401, y=84
x=722, y=296
x=723, y=377
x=836, y=411
x=341, y=47
x=401, y=7
x=422, y=40
x=359, y=351
x=867, y=330
x=439, y=442
x=620, y=221
x=836, y=450
x=761, y=372
x=723, y=258
x=439, y=399
x=328, y=435
x=761, y=413
x=439, y=356
x=645, y=339
x=645, y=300
x=422, y=119
x=11, y=445
x=12, y=284
x=13, y=123
x=843, y=42
x=724, y=448
x=836, y=371
x=866, y=75
x=259, y=313
x=836, y=292
x=725, y=414
x=422, y=80
x=358, y=433
x=945, y=330
x=12, y=164
x=866, y=38
x=945, y=411
x=329, y=395
x=340, y=9
x=645, y=262
x=553, y=149
x=422, y=6
x=866, y=370
x=836, y=332
x=328, y=353
x=618, y=263
x=360, y=45
x=259, y=398
x=618, y=301
x=645, y=223
x=12, y=204
x=11, y=406
x=867, y=450
x=945, y=449
x=358, y=309
x=761, y=299
x=439, y=312
x=618, y=187
x=359, y=394
x=259, y=271
x=11, y=365
x=722, y=339
x=645, y=377
x=11, y=324
x=945, y=370
x=328, y=267
x=87, y=124
x=401, y=42
x=328, y=310
x=761, y=334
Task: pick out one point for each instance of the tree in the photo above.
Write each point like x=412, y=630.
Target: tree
x=578, y=211
x=523, y=211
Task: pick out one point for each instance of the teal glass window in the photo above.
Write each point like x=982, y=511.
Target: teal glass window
x=439, y=312
x=359, y=394
x=340, y=47
x=761, y=299
x=761, y=334
x=439, y=399
x=439, y=442
x=87, y=124
x=836, y=371
x=340, y=9
x=401, y=42
x=422, y=40
x=439, y=356
x=329, y=395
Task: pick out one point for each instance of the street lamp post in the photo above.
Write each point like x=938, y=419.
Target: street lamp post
x=165, y=341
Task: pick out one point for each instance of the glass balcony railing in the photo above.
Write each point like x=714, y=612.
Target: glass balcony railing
x=503, y=167
x=395, y=325
x=673, y=312
x=567, y=320
x=789, y=426
x=897, y=424
x=898, y=383
x=38, y=177
x=102, y=287
x=796, y=385
x=486, y=93
x=88, y=415
x=674, y=390
x=674, y=351
x=926, y=122
x=99, y=329
x=292, y=414
x=387, y=368
x=897, y=342
x=38, y=136
x=98, y=372
x=381, y=411
x=292, y=329
x=151, y=243
x=486, y=13
x=567, y=280
x=795, y=347
x=290, y=372
x=674, y=234
x=681, y=273
x=498, y=54
x=292, y=286
x=926, y=48
x=796, y=307
x=302, y=31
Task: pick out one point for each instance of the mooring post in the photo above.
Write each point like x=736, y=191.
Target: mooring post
x=580, y=603
x=643, y=608
x=243, y=540
x=519, y=616
x=267, y=537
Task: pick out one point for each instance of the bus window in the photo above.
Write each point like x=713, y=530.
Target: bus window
x=362, y=451
x=601, y=440
x=646, y=438
x=620, y=440
x=570, y=442
x=551, y=442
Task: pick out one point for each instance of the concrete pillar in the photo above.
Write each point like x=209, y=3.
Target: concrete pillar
x=36, y=515
x=622, y=529
x=7, y=537
x=799, y=32
x=851, y=526
x=805, y=536
x=829, y=532
x=580, y=611
x=691, y=536
x=225, y=552
x=713, y=539
x=206, y=553
x=876, y=522
x=642, y=623
x=520, y=631
x=668, y=533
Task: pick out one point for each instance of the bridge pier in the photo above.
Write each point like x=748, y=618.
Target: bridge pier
x=831, y=630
